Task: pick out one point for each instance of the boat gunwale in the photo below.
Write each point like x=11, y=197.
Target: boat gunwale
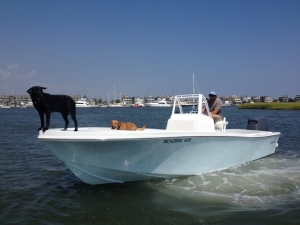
x=115, y=135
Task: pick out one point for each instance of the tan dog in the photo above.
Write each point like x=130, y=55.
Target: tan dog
x=118, y=125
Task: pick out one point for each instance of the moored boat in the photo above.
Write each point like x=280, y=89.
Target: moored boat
x=137, y=105
x=5, y=106
x=191, y=144
x=160, y=102
x=227, y=103
x=82, y=102
x=23, y=105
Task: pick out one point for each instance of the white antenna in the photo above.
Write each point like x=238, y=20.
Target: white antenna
x=193, y=92
x=193, y=84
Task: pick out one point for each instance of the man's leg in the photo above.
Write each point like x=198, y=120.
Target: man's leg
x=217, y=118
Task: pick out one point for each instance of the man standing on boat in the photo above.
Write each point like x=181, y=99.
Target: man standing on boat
x=215, y=106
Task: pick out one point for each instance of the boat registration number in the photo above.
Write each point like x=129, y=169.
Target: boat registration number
x=180, y=140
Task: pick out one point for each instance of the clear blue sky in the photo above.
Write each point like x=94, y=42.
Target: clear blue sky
x=241, y=47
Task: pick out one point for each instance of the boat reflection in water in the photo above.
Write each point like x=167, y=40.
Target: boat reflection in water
x=191, y=144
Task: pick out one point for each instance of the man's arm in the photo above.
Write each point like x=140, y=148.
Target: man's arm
x=215, y=112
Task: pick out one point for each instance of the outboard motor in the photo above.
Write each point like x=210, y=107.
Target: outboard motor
x=257, y=124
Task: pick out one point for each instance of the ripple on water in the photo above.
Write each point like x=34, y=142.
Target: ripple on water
x=266, y=183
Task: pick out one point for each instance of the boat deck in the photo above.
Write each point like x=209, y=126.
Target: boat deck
x=106, y=133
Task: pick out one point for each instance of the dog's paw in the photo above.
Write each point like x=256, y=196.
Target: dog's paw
x=76, y=129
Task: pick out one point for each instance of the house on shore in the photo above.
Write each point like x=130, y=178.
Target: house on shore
x=246, y=98
x=284, y=98
x=266, y=99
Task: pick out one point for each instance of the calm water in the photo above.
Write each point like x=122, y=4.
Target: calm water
x=36, y=188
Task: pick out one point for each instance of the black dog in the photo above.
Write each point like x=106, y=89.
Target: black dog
x=46, y=104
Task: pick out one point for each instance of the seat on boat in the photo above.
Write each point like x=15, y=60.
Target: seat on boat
x=221, y=125
x=191, y=122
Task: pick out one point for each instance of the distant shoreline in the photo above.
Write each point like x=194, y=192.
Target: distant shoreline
x=272, y=106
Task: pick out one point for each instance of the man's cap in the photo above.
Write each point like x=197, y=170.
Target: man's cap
x=212, y=93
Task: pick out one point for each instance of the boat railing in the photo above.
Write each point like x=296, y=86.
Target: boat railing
x=200, y=104
x=194, y=120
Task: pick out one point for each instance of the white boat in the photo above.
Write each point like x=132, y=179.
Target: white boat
x=188, y=103
x=30, y=104
x=5, y=106
x=23, y=105
x=160, y=102
x=227, y=103
x=137, y=104
x=115, y=105
x=82, y=102
x=191, y=144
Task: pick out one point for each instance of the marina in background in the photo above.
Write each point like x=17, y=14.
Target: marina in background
x=24, y=101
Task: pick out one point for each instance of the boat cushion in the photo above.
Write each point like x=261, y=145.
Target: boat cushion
x=191, y=122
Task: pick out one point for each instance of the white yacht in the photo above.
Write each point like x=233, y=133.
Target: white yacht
x=82, y=102
x=114, y=104
x=160, y=102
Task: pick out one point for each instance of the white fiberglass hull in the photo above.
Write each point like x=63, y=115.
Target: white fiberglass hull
x=83, y=106
x=157, y=105
x=101, y=155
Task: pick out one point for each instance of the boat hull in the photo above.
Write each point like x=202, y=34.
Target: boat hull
x=117, y=160
x=157, y=105
x=83, y=106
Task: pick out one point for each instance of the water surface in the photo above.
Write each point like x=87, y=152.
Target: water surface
x=37, y=188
